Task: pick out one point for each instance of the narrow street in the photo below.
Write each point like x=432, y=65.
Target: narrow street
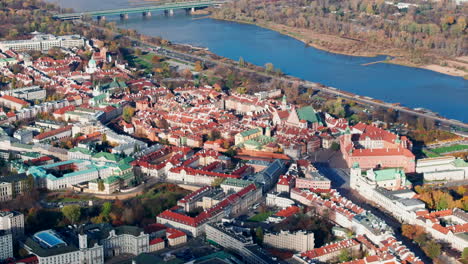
x=340, y=181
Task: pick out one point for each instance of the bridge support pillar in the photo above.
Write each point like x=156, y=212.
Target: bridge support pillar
x=192, y=10
x=123, y=16
x=147, y=14
x=171, y=12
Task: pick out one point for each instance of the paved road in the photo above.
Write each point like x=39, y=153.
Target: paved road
x=340, y=181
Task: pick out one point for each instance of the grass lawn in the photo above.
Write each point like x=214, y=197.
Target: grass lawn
x=260, y=217
x=430, y=154
x=450, y=149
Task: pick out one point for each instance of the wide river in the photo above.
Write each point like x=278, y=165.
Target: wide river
x=411, y=87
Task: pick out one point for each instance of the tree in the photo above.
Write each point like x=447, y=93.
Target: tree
x=106, y=209
x=199, y=66
x=101, y=186
x=241, y=62
x=217, y=182
x=335, y=146
x=30, y=182
x=432, y=249
x=344, y=255
x=72, y=213
x=461, y=190
x=269, y=67
x=155, y=59
x=128, y=113
x=465, y=254
x=259, y=235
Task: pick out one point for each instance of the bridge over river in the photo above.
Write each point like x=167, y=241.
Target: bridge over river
x=144, y=10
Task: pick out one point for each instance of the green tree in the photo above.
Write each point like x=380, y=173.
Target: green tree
x=269, y=67
x=101, y=186
x=241, y=62
x=30, y=182
x=128, y=113
x=259, y=235
x=465, y=254
x=72, y=213
x=432, y=249
x=106, y=209
x=335, y=146
x=344, y=255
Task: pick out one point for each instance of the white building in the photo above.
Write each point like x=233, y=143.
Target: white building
x=12, y=222
x=300, y=241
x=51, y=248
x=23, y=135
x=443, y=169
x=43, y=42
x=278, y=200
x=6, y=245
x=53, y=177
x=27, y=93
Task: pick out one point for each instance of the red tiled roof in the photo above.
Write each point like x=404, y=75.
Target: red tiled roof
x=317, y=252
x=154, y=228
x=174, y=233
x=156, y=241
x=53, y=132
x=440, y=228
x=14, y=100
x=288, y=211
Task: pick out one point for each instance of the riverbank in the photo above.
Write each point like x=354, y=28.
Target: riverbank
x=353, y=47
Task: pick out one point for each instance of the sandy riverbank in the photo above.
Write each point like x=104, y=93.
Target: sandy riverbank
x=354, y=47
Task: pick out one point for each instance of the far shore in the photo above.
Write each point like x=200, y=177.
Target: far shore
x=312, y=38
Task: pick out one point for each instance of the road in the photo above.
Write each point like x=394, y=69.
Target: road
x=291, y=79
x=340, y=181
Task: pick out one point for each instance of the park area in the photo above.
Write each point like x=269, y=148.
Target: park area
x=449, y=149
x=260, y=217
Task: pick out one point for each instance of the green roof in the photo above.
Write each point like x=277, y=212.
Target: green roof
x=31, y=154
x=82, y=150
x=460, y=163
x=126, y=160
x=388, y=174
x=250, y=132
x=7, y=59
x=253, y=143
x=124, y=166
x=308, y=113
x=106, y=155
x=98, y=98
x=114, y=84
x=236, y=182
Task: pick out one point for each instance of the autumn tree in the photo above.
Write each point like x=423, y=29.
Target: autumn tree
x=432, y=249
x=128, y=113
x=155, y=59
x=199, y=66
x=72, y=213
x=269, y=67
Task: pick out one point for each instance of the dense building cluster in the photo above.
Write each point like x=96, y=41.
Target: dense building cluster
x=96, y=127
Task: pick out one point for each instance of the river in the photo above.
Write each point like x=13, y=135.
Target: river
x=412, y=87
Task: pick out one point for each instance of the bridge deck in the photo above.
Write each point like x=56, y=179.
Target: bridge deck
x=162, y=7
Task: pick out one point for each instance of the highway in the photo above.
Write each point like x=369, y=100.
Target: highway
x=291, y=79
